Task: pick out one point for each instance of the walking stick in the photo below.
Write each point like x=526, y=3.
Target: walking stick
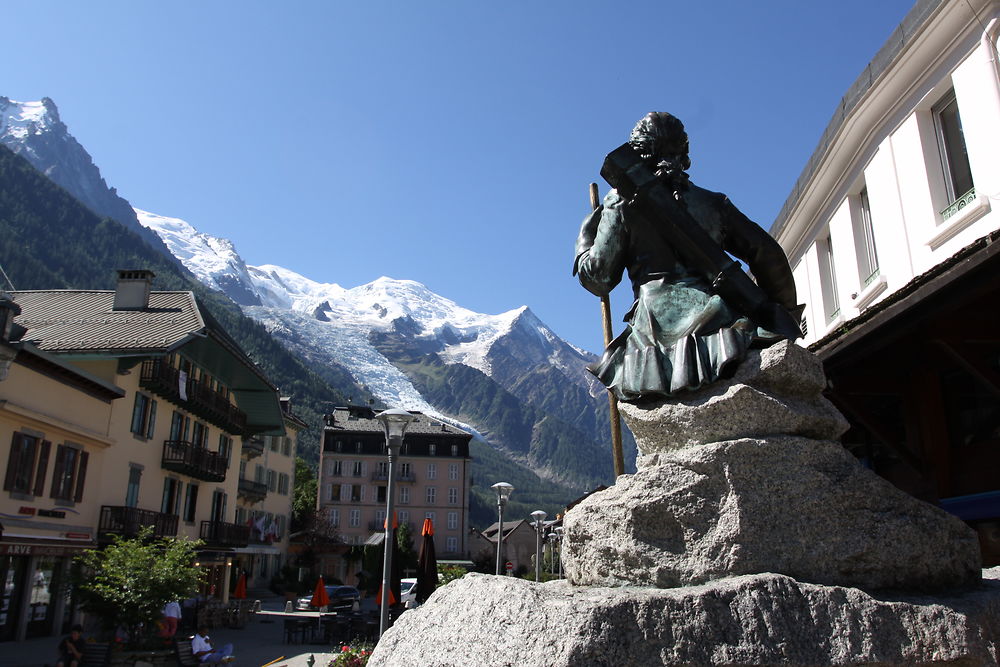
x=616, y=420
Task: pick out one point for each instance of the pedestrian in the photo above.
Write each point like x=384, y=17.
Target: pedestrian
x=171, y=619
x=71, y=648
x=201, y=647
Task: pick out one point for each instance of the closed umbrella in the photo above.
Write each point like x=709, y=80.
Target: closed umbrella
x=319, y=598
x=240, y=592
x=396, y=572
x=427, y=576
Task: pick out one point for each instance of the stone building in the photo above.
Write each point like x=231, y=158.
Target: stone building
x=433, y=476
x=890, y=231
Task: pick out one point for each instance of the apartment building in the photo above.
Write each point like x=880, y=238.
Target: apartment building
x=891, y=234
x=123, y=408
x=264, y=499
x=433, y=476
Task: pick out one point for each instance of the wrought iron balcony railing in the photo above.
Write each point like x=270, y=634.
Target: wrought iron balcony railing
x=252, y=491
x=126, y=522
x=222, y=534
x=253, y=447
x=214, y=407
x=184, y=457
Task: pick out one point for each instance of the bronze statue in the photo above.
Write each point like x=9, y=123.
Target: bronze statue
x=696, y=312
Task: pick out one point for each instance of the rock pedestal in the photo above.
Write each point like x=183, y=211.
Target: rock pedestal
x=748, y=536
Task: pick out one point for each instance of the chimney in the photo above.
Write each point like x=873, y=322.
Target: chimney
x=132, y=292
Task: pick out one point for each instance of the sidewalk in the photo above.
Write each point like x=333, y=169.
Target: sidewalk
x=259, y=643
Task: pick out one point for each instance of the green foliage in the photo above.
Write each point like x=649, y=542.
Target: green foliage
x=303, y=494
x=127, y=583
x=407, y=553
x=449, y=573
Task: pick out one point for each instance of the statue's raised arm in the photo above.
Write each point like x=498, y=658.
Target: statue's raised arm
x=695, y=312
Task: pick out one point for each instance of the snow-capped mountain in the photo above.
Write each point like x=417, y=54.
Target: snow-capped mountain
x=34, y=131
x=507, y=378
x=389, y=333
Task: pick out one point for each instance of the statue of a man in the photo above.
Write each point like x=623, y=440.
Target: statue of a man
x=681, y=334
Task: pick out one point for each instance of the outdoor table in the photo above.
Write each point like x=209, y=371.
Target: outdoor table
x=300, y=616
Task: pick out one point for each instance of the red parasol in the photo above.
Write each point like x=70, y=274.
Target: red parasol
x=240, y=592
x=427, y=577
x=319, y=598
x=395, y=574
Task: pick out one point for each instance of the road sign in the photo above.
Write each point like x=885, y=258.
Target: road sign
x=509, y=566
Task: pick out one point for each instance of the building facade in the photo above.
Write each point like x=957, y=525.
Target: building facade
x=890, y=232
x=433, y=475
x=122, y=409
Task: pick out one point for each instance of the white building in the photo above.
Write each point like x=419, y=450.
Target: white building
x=890, y=233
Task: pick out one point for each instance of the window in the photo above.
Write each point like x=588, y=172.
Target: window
x=283, y=483
x=335, y=518
x=828, y=278
x=453, y=471
x=451, y=545
x=404, y=471
x=180, y=425
x=171, y=496
x=355, y=518
x=380, y=520
x=199, y=435
x=272, y=481
x=431, y=495
x=260, y=474
x=219, y=500
x=452, y=520
x=286, y=446
x=432, y=471
x=333, y=492
x=864, y=240
x=191, y=503
x=404, y=517
x=70, y=473
x=132, y=490
x=380, y=494
x=143, y=416
x=357, y=469
x=26, y=465
x=357, y=493
x=335, y=468
x=225, y=446
x=452, y=495
x=404, y=495
x=382, y=469
x=432, y=449
x=952, y=149
x=274, y=442
x=432, y=516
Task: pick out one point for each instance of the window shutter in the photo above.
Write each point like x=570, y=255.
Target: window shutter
x=151, y=426
x=345, y=492
x=81, y=477
x=57, y=470
x=43, y=463
x=13, y=461
x=362, y=496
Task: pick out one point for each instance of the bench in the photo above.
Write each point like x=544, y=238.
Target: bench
x=184, y=653
x=96, y=654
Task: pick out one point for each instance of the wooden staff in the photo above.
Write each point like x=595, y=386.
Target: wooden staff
x=616, y=420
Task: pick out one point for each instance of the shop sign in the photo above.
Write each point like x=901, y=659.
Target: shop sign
x=37, y=550
x=54, y=514
x=30, y=511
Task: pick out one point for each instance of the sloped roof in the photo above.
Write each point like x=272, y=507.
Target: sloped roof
x=84, y=321
x=363, y=419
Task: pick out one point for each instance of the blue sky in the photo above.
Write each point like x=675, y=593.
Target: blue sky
x=446, y=142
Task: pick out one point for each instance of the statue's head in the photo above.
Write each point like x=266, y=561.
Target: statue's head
x=660, y=137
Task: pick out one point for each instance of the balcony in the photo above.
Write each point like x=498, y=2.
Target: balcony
x=183, y=457
x=251, y=491
x=383, y=476
x=214, y=407
x=222, y=534
x=253, y=447
x=126, y=522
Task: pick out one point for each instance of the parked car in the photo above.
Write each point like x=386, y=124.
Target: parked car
x=407, y=590
x=342, y=598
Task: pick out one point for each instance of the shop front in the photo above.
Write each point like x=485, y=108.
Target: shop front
x=35, y=599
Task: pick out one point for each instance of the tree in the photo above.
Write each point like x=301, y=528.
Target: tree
x=303, y=495
x=127, y=583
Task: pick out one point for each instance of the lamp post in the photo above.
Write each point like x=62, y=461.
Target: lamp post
x=552, y=539
x=503, y=490
x=539, y=524
x=394, y=423
x=559, y=541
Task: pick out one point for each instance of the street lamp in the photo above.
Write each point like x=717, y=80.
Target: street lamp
x=552, y=537
x=503, y=490
x=539, y=517
x=559, y=541
x=394, y=423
